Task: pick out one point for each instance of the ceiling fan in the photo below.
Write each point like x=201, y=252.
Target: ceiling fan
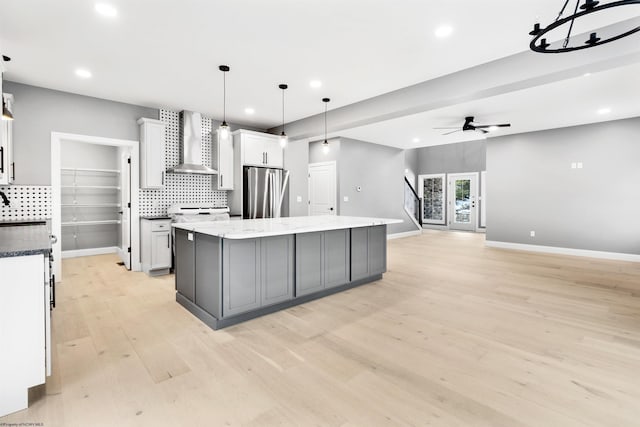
x=470, y=125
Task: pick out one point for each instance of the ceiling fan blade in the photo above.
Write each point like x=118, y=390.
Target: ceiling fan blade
x=503, y=125
x=453, y=131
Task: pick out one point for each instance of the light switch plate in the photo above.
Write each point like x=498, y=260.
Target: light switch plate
x=190, y=236
x=532, y=233
x=345, y=198
x=298, y=199
x=579, y=165
x=573, y=165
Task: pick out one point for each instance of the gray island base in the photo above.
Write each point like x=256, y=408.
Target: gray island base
x=225, y=277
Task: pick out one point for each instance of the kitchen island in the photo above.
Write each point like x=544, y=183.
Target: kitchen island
x=231, y=271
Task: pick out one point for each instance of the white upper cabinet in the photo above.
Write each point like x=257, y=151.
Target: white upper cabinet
x=152, y=153
x=222, y=161
x=7, y=166
x=259, y=149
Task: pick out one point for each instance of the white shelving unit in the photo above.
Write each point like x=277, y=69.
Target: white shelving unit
x=88, y=201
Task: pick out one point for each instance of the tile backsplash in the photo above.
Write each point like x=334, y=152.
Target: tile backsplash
x=28, y=202
x=181, y=188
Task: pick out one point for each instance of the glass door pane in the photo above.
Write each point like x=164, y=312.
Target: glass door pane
x=463, y=201
x=433, y=198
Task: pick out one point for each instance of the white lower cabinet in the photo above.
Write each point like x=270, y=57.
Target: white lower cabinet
x=155, y=236
x=24, y=329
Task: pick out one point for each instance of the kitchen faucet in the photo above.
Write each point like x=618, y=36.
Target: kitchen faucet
x=5, y=201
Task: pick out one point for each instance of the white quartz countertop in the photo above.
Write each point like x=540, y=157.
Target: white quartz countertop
x=252, y=228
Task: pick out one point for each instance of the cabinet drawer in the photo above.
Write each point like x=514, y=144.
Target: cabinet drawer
x=160, y=225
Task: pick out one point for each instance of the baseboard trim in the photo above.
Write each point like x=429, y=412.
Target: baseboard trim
x=616, y=256
x=405, y=234
x=88, y=252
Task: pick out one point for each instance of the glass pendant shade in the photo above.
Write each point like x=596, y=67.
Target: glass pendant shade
x=283, y=140
x=325, y=147
x=223, y=130
x=6, y=113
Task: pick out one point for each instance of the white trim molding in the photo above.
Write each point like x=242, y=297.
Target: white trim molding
x=405, y=234
x=616, y=256
x=56, y=193
x=74, y=253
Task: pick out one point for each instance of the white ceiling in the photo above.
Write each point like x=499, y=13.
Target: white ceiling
x=568, y=102
x=165, y=53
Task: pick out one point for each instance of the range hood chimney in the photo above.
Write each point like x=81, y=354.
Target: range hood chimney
x=190, y=145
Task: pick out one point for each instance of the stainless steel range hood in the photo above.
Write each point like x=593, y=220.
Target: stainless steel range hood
x=190, y=145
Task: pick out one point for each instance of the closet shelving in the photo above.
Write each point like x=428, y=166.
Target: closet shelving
x=81, y=190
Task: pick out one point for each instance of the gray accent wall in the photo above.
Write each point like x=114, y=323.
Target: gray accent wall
x=296, y=161
x=378, y=169
x=39, y=111
x=532, y=187
x=467, y=156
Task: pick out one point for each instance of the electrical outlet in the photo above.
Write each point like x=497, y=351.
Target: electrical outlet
x=299, y=199
x=532, y=233
x=345, y=198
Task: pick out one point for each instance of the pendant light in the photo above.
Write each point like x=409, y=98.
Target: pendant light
x=6, y=113
x=325, y=144
x=223, y=129
x=283, y=136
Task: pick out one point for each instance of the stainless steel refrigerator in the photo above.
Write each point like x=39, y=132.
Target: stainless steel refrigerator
x=265, y=192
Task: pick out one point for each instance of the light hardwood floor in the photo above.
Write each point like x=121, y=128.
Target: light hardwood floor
x=455, y=334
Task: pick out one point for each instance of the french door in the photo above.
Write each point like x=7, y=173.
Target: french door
x=463, y=201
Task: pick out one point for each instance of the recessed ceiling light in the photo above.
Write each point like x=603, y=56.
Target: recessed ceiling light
x=249, y=110
x=82, y=73
x=443, y=31
x=605, y=110
x=107, y=10
x=493, y=128
x=315, y=84
x=416, y=140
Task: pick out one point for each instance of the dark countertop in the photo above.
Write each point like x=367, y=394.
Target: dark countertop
x=152, y=218
x=21, y=240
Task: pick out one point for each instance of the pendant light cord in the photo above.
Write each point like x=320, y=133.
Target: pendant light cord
x=224, y=96
x=325, y=122
x=566, y=40
x=282, y=110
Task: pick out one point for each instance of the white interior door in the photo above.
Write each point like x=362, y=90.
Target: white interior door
x=125, y=208
x=463, y=194
x=323, y=198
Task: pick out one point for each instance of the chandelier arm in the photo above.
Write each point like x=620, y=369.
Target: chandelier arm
x=562, y=10
x=566, y=40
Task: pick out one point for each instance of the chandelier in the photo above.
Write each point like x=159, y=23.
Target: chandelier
x=540, y=44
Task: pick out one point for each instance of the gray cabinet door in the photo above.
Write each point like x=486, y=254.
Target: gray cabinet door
x=359, y=253
x=208, y=278
x=377, y=249
x=277, y=269
x=309, y=263
x=336, y=258
x=185, y=264
x=240, y=276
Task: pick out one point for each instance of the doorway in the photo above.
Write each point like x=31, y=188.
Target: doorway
x=131, y=231
x=124, y=242
x=323, y=198
x=462, y=201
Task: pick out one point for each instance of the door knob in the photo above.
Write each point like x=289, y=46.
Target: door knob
x=330, y=209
